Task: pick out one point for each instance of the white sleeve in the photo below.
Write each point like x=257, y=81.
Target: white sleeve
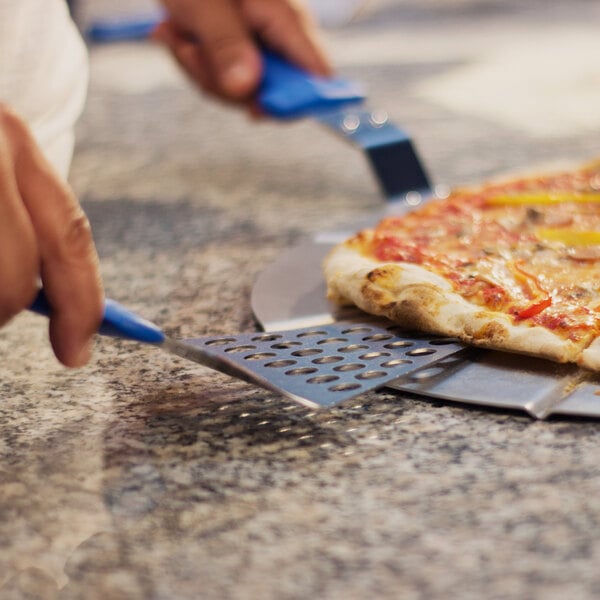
x=43, y=72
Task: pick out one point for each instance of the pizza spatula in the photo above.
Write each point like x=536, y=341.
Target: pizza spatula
x=316, y=366
x=288, y=92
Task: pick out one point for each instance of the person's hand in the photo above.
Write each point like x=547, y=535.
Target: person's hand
x=216, y=42
x=45, y=237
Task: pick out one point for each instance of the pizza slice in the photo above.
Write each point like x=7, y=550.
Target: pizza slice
x=511, y=265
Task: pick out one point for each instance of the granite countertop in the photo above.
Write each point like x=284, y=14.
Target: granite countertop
x=145, y=476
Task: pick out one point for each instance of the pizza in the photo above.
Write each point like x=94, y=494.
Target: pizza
x=509, y=265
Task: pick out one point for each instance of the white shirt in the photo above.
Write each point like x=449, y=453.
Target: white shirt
x=43, y=72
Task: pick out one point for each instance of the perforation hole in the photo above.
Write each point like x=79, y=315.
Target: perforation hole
x=267, y=337
x=260, y=355
x=285, y=345
x=302, y=371
x=221, y=341
x=279, y=364
x=357, y=330
x=344, y=387
x=311, y=333
x=378, y=337
x=322, y=379
x=236, y=349
x=371, y=375
x=307, y=352
x=349, y=367
x=353, y=348
x=327, y=360
x=421, y=352
x=395, y=362
x=372, y=355
x=399, y=344
x=332, y=340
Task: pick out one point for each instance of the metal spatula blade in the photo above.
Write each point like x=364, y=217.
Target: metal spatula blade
x=316, y=366
x=320, y=366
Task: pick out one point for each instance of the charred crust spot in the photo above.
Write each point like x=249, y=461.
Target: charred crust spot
x=375, y=296
x=490, y=332
x=378, y=273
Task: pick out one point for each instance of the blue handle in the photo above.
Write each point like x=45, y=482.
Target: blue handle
x=117, y=321
x=122, y=29
x=286, y=91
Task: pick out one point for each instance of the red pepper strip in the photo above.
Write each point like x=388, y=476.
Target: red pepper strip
x=534, y=309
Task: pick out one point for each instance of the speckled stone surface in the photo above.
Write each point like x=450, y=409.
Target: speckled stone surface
x=143, y=476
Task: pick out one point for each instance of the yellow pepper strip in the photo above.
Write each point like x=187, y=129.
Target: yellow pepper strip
x=570, y=237
x=543, y=198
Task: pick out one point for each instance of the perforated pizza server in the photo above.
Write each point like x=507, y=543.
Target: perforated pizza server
x=316, y=366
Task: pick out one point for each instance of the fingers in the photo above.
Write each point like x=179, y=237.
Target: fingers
x=289, y=29
x=216, y=41
x=228, y=55
x=186, y=52
x=61, y=245
x=227, y=42
x=19, y=261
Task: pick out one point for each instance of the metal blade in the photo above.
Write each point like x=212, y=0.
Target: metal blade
x=319, y=366
x=392, y=156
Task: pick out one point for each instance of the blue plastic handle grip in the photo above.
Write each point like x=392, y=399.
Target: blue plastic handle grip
x=288, y=92
x=285, y=92
x=118, y=321
x=123, y=29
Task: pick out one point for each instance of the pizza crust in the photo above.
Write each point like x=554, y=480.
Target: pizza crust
x=590, y=357
x=417, y=299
